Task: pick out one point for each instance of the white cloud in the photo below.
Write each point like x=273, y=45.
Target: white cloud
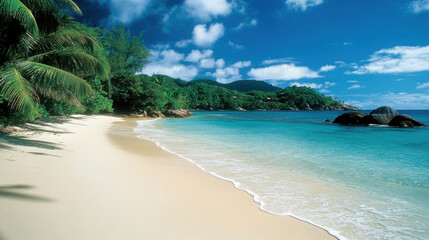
x=207, y=63
x=177, y=71
x=197, y=55
x=342, y=64
x=315, y=85
x=329, y=84
x=347, y=43
x=168, y=62
x=327, y=68
x=227, y=75
x=242, y=64
x=171, y=56
x=199, y=11
x=161, y=46
x=207, y=9
x=418, y=6
x=250, y=23
x=400, y=59
x=220, y=63
x=324, y=91
x=302, y=5
x=352, y=81
x=205, y=37
x=231, y=73
x=277, y=61
x=423, y=85
x=396, y=100
x=355, y=86
x=183, y=43
x=234, y=45
x=125, y=11
x=282, y=72
x=310, y=85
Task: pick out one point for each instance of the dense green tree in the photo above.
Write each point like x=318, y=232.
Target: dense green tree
x=43, y=53
x=127, y=55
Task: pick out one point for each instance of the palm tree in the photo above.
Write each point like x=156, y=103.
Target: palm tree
x=22, y=10
x=44, y=53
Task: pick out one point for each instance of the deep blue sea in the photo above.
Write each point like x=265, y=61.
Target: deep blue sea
x=356, y=182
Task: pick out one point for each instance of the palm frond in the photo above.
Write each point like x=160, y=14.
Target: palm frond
x=58, y=92
x=68, y=38
x=73, y=60
x=18, y=90
x=68, y=3
x=20, y=11
x=40, y=73
x=46, y=4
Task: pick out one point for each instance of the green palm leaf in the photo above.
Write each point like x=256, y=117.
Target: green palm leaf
x=40, y=73
x=18, y=90
x=57, y=92
x=20, y=11
x=65, y=3
x=73, y=60
x=67, y=38
x=46, y=4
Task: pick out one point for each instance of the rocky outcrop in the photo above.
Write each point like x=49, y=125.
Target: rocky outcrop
x=350, y=118
x=181, y=113
x=380, y=116
x=403, y=120
x=156, y=114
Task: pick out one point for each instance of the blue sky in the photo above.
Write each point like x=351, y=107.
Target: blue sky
x=365, y=52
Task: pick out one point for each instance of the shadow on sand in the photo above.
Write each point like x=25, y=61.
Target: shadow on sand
x=9, y=142
x=10, y=191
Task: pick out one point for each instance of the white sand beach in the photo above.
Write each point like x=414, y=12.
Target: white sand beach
x=89, y=177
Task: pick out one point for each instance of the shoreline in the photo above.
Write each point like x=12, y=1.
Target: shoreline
x=92, y=178
x=252, y=194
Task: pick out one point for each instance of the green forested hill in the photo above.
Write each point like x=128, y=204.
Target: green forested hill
x=240, y=85
x=161, y=92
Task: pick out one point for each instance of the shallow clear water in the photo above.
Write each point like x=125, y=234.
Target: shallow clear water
x=356, y=182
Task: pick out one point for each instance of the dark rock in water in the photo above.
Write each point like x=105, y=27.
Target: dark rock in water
x=386, y=111
x=379, y=119
x=405, y=121
x=328, y=120
x=350, y=118
x=380, y=116
x=181, y=113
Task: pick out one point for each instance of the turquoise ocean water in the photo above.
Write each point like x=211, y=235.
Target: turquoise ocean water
x=356, y=182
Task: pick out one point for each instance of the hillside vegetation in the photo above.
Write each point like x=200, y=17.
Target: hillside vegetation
x=161, y=92
x=240, y=85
